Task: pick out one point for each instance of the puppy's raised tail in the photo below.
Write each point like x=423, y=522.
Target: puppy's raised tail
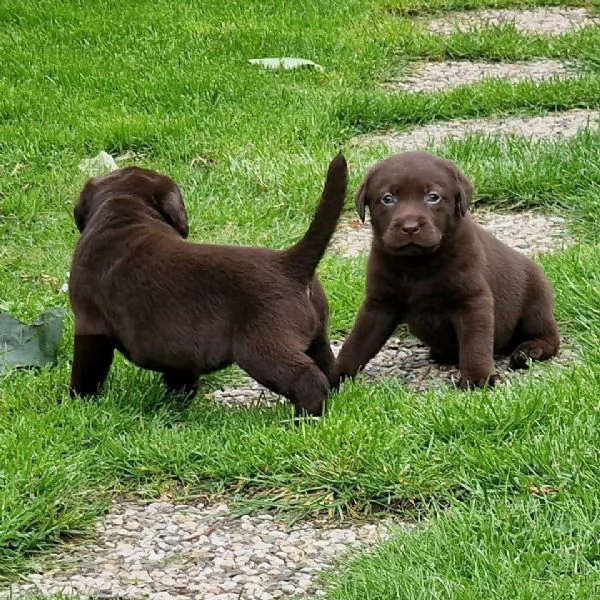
x=304, y=257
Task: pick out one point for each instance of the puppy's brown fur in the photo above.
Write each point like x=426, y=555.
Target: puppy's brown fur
x=461, y=291
x=185, y=309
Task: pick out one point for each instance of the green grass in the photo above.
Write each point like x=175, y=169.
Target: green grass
x=170, y=82
x=537, y=547
x=420, y=7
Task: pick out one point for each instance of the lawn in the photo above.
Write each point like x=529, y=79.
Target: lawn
x=506, y=484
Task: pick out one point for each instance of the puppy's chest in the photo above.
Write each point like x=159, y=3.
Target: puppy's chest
x=433, y=296
x=428, y=310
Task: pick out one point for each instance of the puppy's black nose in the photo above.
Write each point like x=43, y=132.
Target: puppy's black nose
x=410, y=227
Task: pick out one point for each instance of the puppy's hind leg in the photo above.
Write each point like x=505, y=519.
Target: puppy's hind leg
x=92, y=357
x=286, y=370
x=320, y=348
x=537, y=332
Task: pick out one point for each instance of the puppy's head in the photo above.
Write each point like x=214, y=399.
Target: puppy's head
x=158, y=191
x=415, y=199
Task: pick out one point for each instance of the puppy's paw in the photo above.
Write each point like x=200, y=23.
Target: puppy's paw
x=82, y=395
x=520, y=358
x=312, y=411
x=486, y=382
x=305, y=419
x=343, y=374
x=336, y=381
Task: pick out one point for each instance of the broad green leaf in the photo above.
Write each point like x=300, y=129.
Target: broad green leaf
x=101, y=163
x=285, y=62
x=34, y=345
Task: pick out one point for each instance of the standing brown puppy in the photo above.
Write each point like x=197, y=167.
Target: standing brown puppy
x=461, y=291
x=185, y=309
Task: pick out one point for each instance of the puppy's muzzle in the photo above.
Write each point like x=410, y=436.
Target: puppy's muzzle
x=410, y=226
x=411, y=231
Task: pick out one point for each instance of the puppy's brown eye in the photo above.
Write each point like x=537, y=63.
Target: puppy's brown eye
x=388, y=199
x=432, y=198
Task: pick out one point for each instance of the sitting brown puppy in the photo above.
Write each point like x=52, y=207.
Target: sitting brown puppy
x=186, y=309
x=461, y=291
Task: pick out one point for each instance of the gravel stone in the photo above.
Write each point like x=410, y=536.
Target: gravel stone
x=552, y=20
x=436, y=76
x=564, y=124
x=98, y=569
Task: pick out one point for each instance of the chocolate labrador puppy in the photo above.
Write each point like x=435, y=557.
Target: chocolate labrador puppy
x=461, y=291
x=186, y=309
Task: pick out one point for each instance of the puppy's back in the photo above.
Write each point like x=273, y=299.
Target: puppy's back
x=515, y=281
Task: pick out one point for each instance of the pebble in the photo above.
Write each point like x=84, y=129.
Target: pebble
x=124, y=550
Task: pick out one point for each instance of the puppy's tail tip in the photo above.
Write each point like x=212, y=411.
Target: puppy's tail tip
x=334, y=190
x=338, y=166
x=304, y=256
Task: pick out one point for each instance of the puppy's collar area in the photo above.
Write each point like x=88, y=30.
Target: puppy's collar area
x=412, y=252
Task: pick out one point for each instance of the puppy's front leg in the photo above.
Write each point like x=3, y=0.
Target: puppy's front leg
x=475, y=332
x=92, y=357
x=181, y=382
x=375, y=323
x=320, y=351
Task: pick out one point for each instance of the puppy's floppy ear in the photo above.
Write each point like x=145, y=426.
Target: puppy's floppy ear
x=80, y=215
x=81, y=212
x=171, y=207
x=91, y=195
x=361, y=198
x=465, y=194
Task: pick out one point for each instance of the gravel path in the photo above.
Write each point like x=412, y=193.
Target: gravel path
x=164, y=551
x=436, y=76
x=552, y=126
x=554, y=20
